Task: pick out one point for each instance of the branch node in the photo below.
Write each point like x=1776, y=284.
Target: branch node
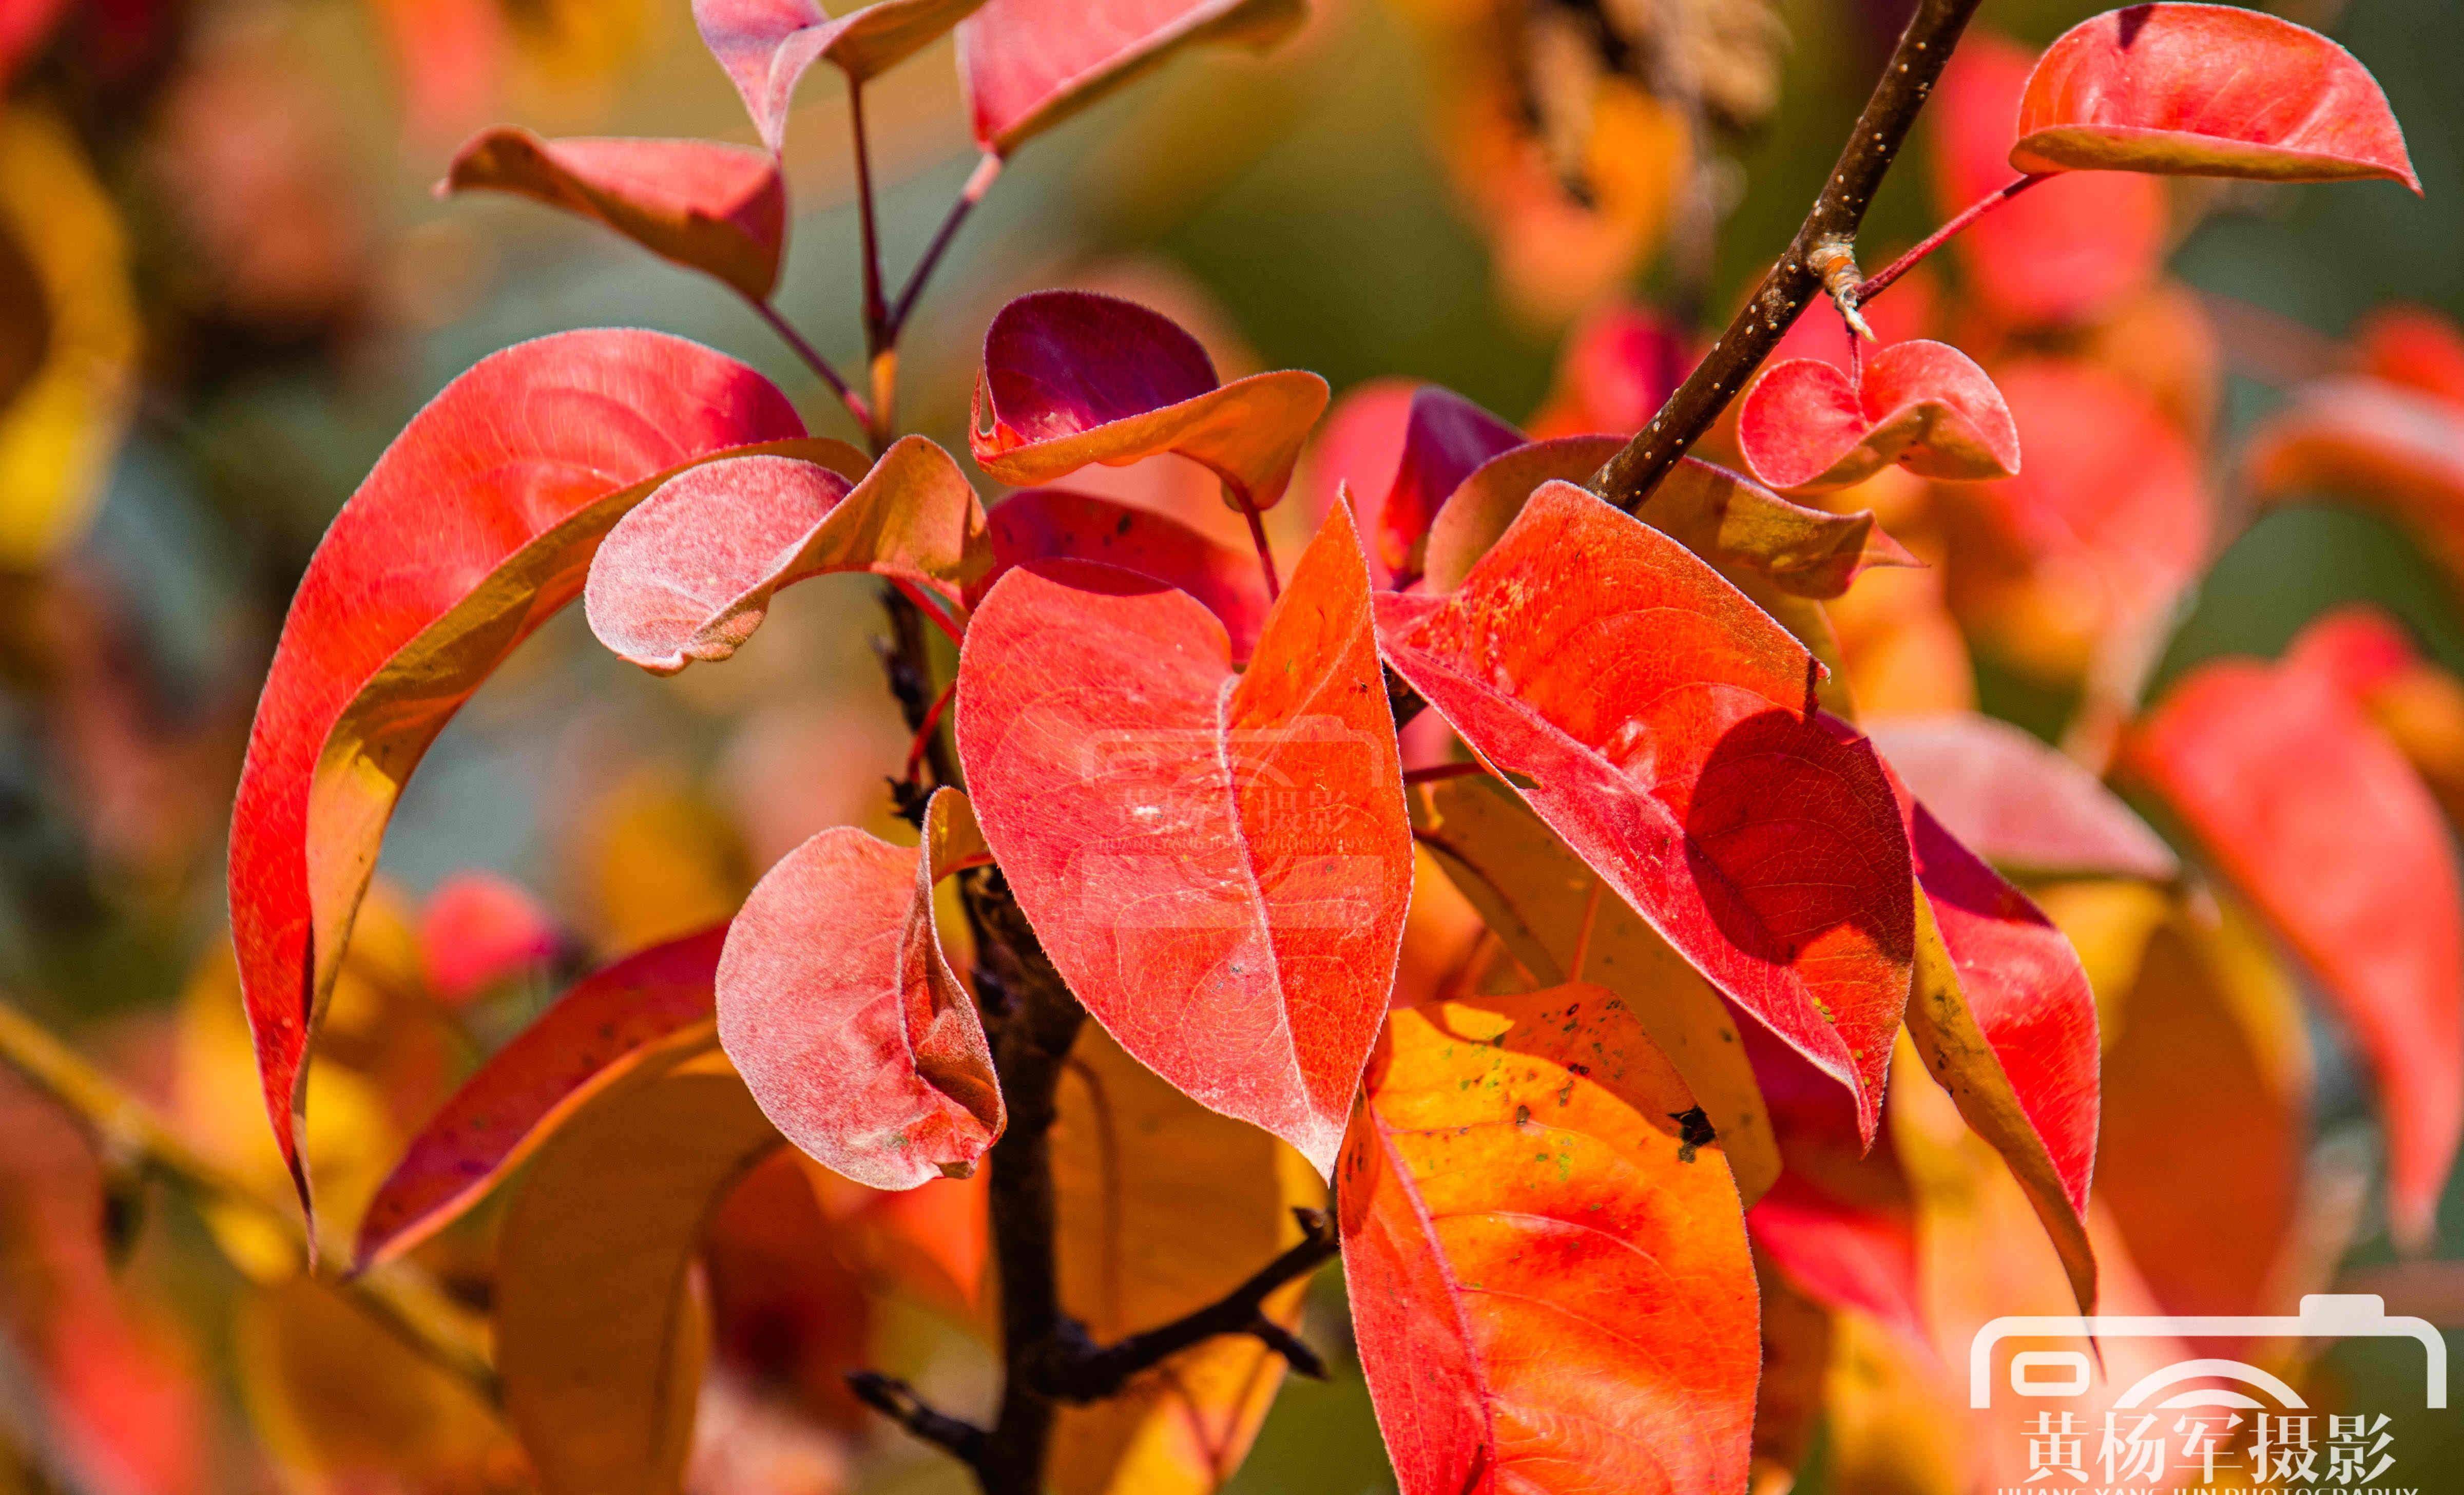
x=1303, y=1360
x=896, y=1400
x=1834, y=258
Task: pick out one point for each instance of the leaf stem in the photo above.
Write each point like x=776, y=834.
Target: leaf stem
x=1907, y=79
x=399, y=1298
x=813, y=360
x=896, y=1400
x=1265, y=555
x=1883, y=278
x=978, y=182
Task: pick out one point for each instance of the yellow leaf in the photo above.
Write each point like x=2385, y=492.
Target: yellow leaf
x=599, y=1337
x=58, y=434
x=2109, y=923
x=1538, y=897
x=1897, y=1423
x=1165, y=1206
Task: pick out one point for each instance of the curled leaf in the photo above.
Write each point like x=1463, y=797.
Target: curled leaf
x=1732, y=521
x=766, y=45
x=1216, y=864
x=644, y=1008
x=1029, y=64
x=610, y=1213
x=1551, y=1288
x=1805, y=425
x=2393, y=450
x=838, y=1006
x=1547, y=908
x=1071, y=378
x=1051, y=524
x=533, y=454
x=2319, y=820
x=2019, y=803
x=719, y=209
x=1664, y=726
x=2207, y=90
x=689, y=572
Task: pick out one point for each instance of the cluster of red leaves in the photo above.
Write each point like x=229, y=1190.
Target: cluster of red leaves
x=1723, y=900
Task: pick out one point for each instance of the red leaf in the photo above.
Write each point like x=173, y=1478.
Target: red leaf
x=2317, y=818
x=720, y=209
x=766, y=45
x=1445, y=437
x=1729, y=520
x=1073, y=378
x=2064, y=252
x=595, y=1034
x=1050, y=525
x=1029, y=64
x=2207, y=90
x=1359, y=445
x=2413, y=347
x=1664, y=726
x=1807, y=425
x=2358, y=647
x=2391, y=449
x=839, y=1007
x=690, y=573
x=1551, y=1288
x=1618, y=366
x=2019, y=803
x=2006, y=1022
x=477, y=930
x=471, y=531
x=1217, y=864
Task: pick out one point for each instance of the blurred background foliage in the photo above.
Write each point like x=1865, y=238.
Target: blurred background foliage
x=225, y=282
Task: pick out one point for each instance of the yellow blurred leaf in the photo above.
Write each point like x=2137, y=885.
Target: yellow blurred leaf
x=58, y=434
x=657, y=861
x=1896, y=1420
x=600, y=1338
x=1165, y=1206
x=2109, y=924
x=1539, y=897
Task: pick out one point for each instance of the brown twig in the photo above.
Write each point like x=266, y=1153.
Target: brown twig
x=1092, y=1373
x=1908, y=80
x=896, y=1400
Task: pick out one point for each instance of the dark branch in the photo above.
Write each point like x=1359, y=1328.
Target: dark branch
x=896, y=1400
x=1086, y=1373
x=1831, y=227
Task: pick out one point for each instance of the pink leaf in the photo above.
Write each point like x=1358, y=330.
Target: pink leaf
x=1217, y=864
x=766, y=45
x=1029, y=64
x=841, y=1011
x=476, y=930
x=1807, y=425
x=2019, y=803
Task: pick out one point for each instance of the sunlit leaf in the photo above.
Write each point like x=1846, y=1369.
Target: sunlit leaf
x=719, y=209
x=689, y=574
x=837, y=1001
x=644, y=1008
x=534, y=454
x=1729, y=520
x=1664, y=726
x=2017, y=801
x=600, y=1338
x=1807, y=425
x=1551, y=1288
x=1029, y=64
x=1072, y=379
x=1545, y=904
x=1217, y=865
x=2207, y=90
x=766, y=45
x=2319, y=820
x=1165, y=1207
x=1051, y=524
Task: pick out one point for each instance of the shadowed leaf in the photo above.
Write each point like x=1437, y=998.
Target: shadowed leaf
x=1446, y=438
x=1051, y=524
x=2019, y=803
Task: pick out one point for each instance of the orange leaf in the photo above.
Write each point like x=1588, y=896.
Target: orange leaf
x=689, y=572
x=2207, y=90
x=1551, y=1288
x=719, y=209
x=838, y=1006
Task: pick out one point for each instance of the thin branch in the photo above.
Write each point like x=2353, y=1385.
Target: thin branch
x=978, y=182
x=1090, y=1373
x=896, y=1400
x=1882, y=280
x=1907, y=79
x=404, y=1302
x=878, y=348
x=813, y=360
